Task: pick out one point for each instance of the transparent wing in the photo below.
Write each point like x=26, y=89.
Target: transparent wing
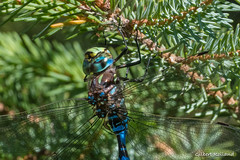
x=153, y=137
x=56, y=130
x=162, y=92
x=165, y=92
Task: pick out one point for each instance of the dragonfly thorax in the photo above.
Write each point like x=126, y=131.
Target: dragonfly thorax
x=105, y=92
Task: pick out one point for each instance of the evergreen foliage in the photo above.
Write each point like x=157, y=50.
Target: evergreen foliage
x=192, y=43
x=38, y=72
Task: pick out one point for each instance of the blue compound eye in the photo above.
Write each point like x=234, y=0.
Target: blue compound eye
x=97, y=59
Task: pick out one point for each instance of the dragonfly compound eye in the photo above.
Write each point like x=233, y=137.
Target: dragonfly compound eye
x=97, y=59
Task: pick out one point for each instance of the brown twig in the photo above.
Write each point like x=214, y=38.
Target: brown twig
x=173, y=59
x=213, y=56
x=103, y=4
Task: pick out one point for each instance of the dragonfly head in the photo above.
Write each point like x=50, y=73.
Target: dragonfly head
x=97, y=59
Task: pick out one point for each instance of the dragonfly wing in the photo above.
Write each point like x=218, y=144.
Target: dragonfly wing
x=166, y=96
x=54, y=130
x=153, y=137
x=81, y=144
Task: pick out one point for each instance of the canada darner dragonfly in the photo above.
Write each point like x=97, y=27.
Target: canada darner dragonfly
x=86, y=128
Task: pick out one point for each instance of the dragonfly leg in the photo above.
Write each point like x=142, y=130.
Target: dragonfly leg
x=139, y=79
x=105, y=39
x=125, y=51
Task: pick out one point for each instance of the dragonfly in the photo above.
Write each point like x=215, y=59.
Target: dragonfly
x=109, y=124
